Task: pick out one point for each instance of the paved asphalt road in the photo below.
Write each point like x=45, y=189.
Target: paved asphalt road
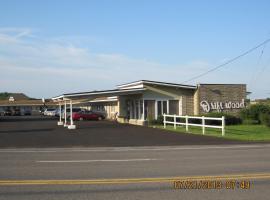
x=34, y=131
x=119, y=166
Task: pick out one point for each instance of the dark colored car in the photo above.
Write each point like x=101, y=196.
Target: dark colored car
x=27, y=112
x=7, y=113
x=87, y=115
x=16, y=112
x=41, y=111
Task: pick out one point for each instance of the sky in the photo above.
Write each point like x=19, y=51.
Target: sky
x=50, y=47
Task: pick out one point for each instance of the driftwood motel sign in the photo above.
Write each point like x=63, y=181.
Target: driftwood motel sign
x=220, y=106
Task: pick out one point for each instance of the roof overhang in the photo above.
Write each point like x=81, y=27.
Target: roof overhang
x=141, y=82
x=88, y=96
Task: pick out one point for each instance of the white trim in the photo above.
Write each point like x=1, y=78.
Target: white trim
x=159, y=99
x=156, y=109
x=113, y=97
x=168, y=107
x=65, y=115
x=59, y=123
x=143, y=118
x=95, y=93
x=104, y=100
x=132, y=87
x=180, y=104
x=128, y=84
x=71, y=126
x=157, y=83
x=71, y=113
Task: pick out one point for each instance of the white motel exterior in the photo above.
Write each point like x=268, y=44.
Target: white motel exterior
x=144, y=100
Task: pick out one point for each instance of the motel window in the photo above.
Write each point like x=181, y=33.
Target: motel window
x=164, y=107
x=132, y=113
x=161, y=107
x=128, y=108
x=145, y=110
x=137, y=109
x=100, y=108
x=174, y=107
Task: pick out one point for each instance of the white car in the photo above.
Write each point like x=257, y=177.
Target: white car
x=50, y=112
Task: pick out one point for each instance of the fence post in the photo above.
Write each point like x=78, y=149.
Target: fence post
x=174, y=117
x=186, y=123
x=223, y=126
x=164, y=120
x=203, y=125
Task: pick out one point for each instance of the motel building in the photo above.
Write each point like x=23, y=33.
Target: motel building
x=23, y=103
x=144, y=100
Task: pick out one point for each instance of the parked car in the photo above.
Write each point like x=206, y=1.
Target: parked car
x=16, y=112
x=74, y=110
x=27, y=112
x=50, y=112
x=42, y=110
x=57, y=112
x=7, y=113
x=87, y=115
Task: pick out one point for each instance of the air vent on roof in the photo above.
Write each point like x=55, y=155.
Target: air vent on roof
x=11, y=99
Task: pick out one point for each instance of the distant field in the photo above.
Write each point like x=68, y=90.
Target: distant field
x=237, y=132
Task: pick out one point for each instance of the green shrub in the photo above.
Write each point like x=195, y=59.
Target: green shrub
x=158, y=121
x=229, y=119
x=254, y=111
x=194, y=121
x=265, y=119
x=250, y=121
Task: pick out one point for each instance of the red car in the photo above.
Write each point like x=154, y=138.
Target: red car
x=87, y=115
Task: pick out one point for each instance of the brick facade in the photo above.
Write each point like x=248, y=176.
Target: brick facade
x=220, y=97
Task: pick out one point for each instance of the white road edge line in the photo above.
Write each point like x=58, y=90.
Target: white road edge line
x=123, y=149
x=91, y=161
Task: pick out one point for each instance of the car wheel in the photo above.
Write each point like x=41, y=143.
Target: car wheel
x=81, y=119
x=99, y=118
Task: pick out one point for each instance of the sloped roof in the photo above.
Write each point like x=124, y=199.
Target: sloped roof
x=156, y=83
x=26, y=102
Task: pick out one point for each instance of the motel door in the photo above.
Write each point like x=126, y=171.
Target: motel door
x=149, y=109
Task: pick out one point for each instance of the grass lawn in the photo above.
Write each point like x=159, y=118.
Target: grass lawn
x=237, y=132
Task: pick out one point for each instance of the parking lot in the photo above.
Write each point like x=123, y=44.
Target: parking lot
x=39, y=131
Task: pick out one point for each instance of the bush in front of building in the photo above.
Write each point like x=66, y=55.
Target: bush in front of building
x=250, y=121
x=229, y=119
x=157, y=121
x=255, y=114
x=265, y=119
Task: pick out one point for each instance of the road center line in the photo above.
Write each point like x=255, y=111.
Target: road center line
x=136, y=180
x=92, y=161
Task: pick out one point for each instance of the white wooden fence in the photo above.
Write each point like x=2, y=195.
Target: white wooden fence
x=187, y=124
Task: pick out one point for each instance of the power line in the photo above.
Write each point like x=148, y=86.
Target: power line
x=229, y=61
x=256, y=74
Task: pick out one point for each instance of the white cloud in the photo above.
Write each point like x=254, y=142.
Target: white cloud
x=47, y=67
